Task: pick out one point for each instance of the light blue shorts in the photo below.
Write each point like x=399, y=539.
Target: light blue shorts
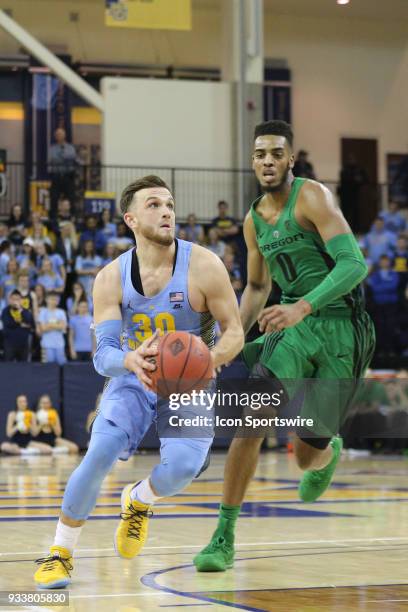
x=130, y=407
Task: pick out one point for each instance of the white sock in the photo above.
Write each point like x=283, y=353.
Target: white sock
x=143, y=492
x=67, y=536
x=60, y=450
x=30, y=451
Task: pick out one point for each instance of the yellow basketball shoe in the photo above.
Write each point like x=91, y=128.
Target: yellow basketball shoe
x=54, y=571
x=131, y=533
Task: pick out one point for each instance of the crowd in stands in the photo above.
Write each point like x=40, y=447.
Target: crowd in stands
x=386, y=250
x=48, y=267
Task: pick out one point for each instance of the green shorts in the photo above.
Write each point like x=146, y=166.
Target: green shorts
x=334, y=351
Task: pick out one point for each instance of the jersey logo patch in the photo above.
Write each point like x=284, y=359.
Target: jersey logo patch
x=276, y=234
x=177, y=296
x=178, y=305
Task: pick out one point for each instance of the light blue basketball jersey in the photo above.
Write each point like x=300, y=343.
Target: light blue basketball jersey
x=168, y=311
x=125, y=402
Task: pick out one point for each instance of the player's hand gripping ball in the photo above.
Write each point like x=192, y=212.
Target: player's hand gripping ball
x=183, y=364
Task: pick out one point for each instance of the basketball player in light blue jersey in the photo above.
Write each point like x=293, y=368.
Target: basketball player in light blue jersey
x=134, y=299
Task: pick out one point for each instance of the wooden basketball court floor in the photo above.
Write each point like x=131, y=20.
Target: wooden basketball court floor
x=346, y=552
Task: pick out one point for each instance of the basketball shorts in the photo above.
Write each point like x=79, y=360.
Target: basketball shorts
x=127, y=404
x=320, y=359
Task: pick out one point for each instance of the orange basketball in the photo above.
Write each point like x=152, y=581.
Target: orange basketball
x=183, y=364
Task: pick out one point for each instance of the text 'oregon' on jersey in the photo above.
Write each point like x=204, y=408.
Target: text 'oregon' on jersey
x=297, y=259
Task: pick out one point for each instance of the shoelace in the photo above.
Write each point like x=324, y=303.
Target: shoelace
x=219, y=543
x=135, y=518
x=51, y=561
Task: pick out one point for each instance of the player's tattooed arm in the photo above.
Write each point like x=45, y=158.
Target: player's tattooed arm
x=259, y=283
x=213, y=282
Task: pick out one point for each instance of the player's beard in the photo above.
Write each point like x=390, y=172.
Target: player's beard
x=278, y=187
x=152, y=234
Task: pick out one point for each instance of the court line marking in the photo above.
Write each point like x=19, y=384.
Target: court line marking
x=383, y=600
x=275, y=542
x=150, y=580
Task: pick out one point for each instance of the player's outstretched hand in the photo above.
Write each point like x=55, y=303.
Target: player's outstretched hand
x=138, y=361
x=281, y=316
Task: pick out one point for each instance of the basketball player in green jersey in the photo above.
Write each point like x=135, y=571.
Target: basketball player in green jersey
x=296, y=236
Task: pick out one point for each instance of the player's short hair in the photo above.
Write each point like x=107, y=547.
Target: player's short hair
x=275, y=128
x=52, y=293
x=16, y=292
x=145, y=182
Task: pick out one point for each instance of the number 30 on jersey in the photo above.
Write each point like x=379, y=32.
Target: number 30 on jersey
x=146, y=326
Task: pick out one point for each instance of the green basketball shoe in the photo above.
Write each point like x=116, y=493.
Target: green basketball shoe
x=216, y=557
x=315, y=482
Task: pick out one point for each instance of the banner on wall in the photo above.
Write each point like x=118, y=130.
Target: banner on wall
x=149, y=14
x=95, y=202
x=40, y=197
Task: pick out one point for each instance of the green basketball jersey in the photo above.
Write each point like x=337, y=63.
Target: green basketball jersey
x=297, y=259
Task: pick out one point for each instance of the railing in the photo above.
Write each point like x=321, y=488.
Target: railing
x=196, y=189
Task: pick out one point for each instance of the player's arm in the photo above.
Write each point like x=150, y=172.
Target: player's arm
x=317, y=206
x=109, y=359
x=350, y=268
x=259, y=282
x=215, y=285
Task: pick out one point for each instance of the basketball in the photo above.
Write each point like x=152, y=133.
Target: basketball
x=183, y=364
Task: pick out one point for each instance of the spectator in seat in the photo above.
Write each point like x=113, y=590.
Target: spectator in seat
x=92, y=233
x=4, y=233
x=39, y=232
x=52, y=325
x=231, y=265
x=40, y=294
x=78, y=294
x=384, y=286
x=67, y=248
x=18, y=324
x=27, y=259
x=62, y=160
x=16, y=223
x=81, y=337
x=49, y=428
x=110, y=253
x=401, y=267
x=182, y=233
x=87, y=265
x=393, y=220
x=215, y=245
x=21, y=429
x=379, y=241
x=45, y=251
x=302, y=167
x=28, y=297
x=227, y=226
x=194, y=231
x=123, y=241
x=5, y=256
x=107, y=226
x=48, y=277
x=401, y=255
x=64, y=214
x=9, y=280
